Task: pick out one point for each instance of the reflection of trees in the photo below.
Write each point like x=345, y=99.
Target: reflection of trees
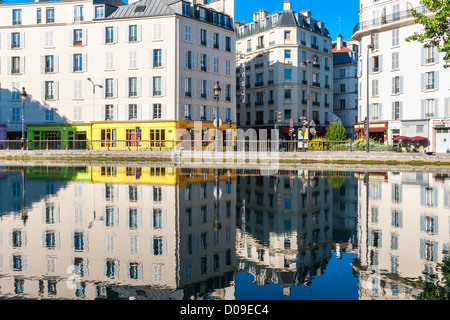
x=432, y=285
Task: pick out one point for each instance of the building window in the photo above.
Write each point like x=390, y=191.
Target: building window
x=15, y=40
x=50, y=17
x=132, y=87
x=395, y=61
x=109, y=112
x=49, y=64
x=15, y=65
x=77, y=62
x=157, y=111
x=342, y=73
x=430, y=54
x=342, y=104
x=132, y=33
x=79, y=13
x=99, y=12
x=132, y=112
x=16, y=114
x=186, y=9
x=287, y=114
x=50, y=115
x=188, y=87
x=374, y=111
x=49, y=90
x=187, y=33
x=430, y=80
x=375, y=88
x=109, y=88
x=342, y=87
x=108, y=137
x=203, y=37
x=396, y=111
x=157, y=139
x=287, y=74
x=287, y=93
x=157, y=58
x=17, y=17
x=109, y=35
x=157, y=86
x=376, y=64
x=187, y=111
x=287, y=35
x=38, y=16
x=397, y=84
x=228, y=44
x=77, y=37
x=395, y=37
x=429, y=108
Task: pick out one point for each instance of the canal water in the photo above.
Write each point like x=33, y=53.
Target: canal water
x=164, y=233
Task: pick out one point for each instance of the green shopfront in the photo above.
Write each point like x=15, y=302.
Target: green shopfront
x=59, y=137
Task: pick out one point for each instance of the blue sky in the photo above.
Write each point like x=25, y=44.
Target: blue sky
x=328, y=11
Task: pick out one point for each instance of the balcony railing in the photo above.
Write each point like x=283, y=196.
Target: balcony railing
x=259, y=84
x=259, y=65
x=259, y=103
x=390, y=18
x=270, y=102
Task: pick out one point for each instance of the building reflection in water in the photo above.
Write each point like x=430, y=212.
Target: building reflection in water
x=285, y=226
x=117, y=232
x=178, y=233
x=403, y=230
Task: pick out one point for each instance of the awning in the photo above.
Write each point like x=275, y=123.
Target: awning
x=285, y=129
x=377, y=129
x=416, y=138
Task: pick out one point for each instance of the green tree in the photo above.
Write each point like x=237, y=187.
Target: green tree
x=436, y=25
x=336, y=132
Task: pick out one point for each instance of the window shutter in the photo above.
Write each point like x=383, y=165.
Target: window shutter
x=193, y=60
x=436, y=55
x=22, y=40
x=22, y=65
x=70, y=63
x=436, y=80
x=43, y=90
x=139, y=33
x=84, y=40
x=163, y=57
x=115, y=34
x=380, y=62
x=163, y=86
x=139, y=86
x=115, y=90
x=370, y=65
x=183, y=91
x=400, y=84
x=436, y=108
x=446, y=114
x=150, y=86
x=422, y=56
x=126, y=87
x=380, y=111
x=115, y=113
x=186, y=59
x=42, y=64
x=199, y=36
x=393, y=85
x=84, y=62
x=163, y=112
x=400, y=110
x=422, y=108
x=103, y=40
x=56, y=89
x=8, y=40
x=56, y=63
x=422, y=82
x=102, y=112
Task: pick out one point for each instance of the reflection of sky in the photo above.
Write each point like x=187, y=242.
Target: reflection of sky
x=336, y=283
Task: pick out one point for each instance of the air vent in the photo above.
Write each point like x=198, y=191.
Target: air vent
x=139, y=9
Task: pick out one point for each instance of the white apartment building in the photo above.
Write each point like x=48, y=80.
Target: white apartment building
x=152, y=65
x=270, y=75
x=406, y=87
x=345, y=83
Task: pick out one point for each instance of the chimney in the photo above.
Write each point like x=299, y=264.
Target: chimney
x=287, y=5
x=339, y=42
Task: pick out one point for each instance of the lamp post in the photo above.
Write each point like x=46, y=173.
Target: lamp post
x=216, y=90
x=23, y=96
x=217, y=223
x=308, y=64
x=93, y=92
x=369, y=47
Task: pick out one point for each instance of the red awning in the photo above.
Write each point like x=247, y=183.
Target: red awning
x=377, y=129
x=416, y=138
x=285, y=129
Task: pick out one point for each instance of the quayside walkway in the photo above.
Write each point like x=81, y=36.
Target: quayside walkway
x=186, y=157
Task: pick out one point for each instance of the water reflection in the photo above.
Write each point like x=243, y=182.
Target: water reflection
x=180, y=233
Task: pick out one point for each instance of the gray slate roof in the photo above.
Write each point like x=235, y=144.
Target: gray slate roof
x=152, y=8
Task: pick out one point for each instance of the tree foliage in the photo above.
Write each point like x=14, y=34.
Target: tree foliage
x=436, y=27
x=336, y=132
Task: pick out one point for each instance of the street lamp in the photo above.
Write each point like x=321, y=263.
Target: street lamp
x=93, y=92
x=216, y=91
x=23, y=96
x=308, y=63
x=369, y=47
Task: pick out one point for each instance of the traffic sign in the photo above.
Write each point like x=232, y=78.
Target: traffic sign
x=215, y=123
x=291, y=130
